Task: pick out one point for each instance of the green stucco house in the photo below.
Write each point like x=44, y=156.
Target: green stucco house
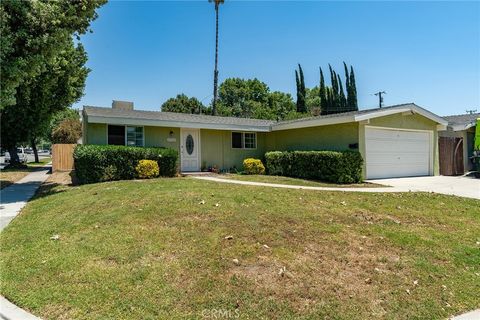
x=394, y=141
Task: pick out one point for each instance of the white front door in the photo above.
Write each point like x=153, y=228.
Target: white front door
x=398, y=153
x=190, y=149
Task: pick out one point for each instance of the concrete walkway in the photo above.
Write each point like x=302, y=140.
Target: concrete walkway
x=459, y=186
x=12, y=199
x=467, y=187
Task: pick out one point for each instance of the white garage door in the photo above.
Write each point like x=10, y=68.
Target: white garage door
x=397, y=153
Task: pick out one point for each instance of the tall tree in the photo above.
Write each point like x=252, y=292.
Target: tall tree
x=322, y=92
x=32, y=32
x=215, y=72
x=301, y=91
x=353, y=103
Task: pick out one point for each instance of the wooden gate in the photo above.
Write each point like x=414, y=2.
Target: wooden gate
x=450, y=151
x=62, y=157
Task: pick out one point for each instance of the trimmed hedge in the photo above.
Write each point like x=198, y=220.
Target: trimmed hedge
x=97, y=163
x=253, y=166
x=331, y=166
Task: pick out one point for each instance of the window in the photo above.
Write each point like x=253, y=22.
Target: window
x=135, y=136
x=116, y=135
x=244, y=140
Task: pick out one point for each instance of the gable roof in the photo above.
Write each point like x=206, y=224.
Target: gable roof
x=172, y=119
x=462, y=121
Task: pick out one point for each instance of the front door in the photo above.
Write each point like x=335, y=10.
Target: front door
x=190, y=150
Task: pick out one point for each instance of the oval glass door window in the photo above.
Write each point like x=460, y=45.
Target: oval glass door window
x=189, y=144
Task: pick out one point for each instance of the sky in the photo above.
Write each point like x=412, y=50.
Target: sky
x=422, y=52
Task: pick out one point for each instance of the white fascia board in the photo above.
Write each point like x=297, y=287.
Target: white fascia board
x=312, y=123
x=176, y=124
x=413, y=108
x=461, y=127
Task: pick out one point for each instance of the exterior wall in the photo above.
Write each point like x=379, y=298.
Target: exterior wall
x=96, y=133
x=401, y=121
x=216, y=149
x=157, y=137
x=336, y=137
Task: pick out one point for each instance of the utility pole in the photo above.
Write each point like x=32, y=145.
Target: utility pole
x=471, y=111
x=380, y=98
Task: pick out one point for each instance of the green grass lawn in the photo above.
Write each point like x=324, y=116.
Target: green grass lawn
x=295, y=181
x=158, y=249
x=42, y=162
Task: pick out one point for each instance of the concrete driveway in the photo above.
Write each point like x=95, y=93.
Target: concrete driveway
x=458, y=186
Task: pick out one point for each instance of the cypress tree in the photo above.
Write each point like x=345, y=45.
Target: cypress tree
x=342, y=101
x=301, y=91
x=348, y=88
x=322, y=93
x=353, y=103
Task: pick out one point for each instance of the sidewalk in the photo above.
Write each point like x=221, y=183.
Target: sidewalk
x=13, y=198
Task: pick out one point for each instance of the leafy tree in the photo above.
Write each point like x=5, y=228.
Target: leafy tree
x=32, y=32
x=42, y=69
x=68, y=131
x=280, y=105
x=242, y=97
x=55, y=89
x=313, y=100
x=183, y=104
x=301, y=91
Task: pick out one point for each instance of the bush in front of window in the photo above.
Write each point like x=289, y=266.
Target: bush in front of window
x=330, y=166
x=253, y=166
x=96, y=163
x=147, y=169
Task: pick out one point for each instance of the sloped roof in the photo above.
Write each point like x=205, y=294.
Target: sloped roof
x=462, y=121
x=118, y=116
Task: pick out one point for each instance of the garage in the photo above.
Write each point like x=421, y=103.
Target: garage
x=392, y=153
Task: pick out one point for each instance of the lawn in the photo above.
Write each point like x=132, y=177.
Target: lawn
x=10, y=176
x=166, y=248
x=295, y=181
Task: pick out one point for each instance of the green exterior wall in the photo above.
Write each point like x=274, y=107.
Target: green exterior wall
x=333, y=137
x=96, y=133
x=157, y=137
x=216, y=149
x=401, y=121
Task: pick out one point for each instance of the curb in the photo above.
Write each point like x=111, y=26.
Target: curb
x=9, y=311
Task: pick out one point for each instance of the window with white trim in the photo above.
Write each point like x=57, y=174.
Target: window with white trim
x=244, y=140
x=134, y=136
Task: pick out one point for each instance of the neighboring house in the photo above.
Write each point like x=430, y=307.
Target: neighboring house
x=456, y=144
x=394, y=141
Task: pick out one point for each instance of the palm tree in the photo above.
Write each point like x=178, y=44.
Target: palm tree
x=215, y=72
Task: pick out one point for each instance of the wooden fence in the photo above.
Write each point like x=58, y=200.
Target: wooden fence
x=62, y=157
x=451, y=156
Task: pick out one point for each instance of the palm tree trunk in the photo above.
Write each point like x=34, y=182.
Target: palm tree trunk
x=215, y=73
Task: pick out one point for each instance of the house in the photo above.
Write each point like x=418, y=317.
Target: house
x=394, y=141
x=456, y=144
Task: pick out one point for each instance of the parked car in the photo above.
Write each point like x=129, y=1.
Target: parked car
x=22, y=156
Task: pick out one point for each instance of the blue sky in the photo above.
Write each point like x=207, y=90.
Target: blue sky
x=422, y=52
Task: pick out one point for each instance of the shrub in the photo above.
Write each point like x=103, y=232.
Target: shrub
x=253, y=166
x=147, y=169
x=94, y=163
x=331, y=166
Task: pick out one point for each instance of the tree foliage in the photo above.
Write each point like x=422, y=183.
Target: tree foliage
x=68, y=131
x=42, y=67
x=183, y=104
x=333, y=99
x=301, y=91
x=251, y=98
x=32, y=32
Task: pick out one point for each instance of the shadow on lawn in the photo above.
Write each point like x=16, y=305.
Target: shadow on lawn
x=58, y=182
